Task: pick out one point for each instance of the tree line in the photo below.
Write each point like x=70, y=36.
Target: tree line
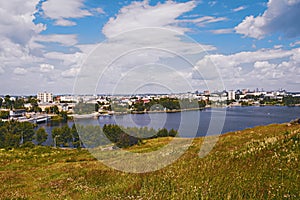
x=14, y=134
x=168, y=104
x=19, y=103
x=94, y=136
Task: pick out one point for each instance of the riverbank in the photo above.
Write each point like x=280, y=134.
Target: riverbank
x=257, y=163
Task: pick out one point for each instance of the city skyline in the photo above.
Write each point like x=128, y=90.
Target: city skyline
x=251, y=44
x=45, y=94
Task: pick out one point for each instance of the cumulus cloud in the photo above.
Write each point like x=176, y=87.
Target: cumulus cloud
x=46, y=68
x=64, y=22
x=17, y=30
x=141, y=15
x=154, y=26
x=143, y=34
x=264, y=67
x=281, y=16
x=60, y=11
x=16, y=22
x=66, y=59
x=70, y=73
x=20, y=71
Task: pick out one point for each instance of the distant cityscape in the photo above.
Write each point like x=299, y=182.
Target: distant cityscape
x=46, y=106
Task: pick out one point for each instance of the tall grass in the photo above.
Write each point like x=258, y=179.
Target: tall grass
x=258, y=163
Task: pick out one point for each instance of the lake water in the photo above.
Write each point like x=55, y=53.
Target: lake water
x=197, y=123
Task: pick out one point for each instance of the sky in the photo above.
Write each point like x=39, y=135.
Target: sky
x=99, y=46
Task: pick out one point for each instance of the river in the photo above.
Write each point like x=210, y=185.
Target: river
x=196, y=123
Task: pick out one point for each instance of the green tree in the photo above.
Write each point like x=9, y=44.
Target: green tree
x=64, y=115
x=7, y=102
x=26, y=129
x=173, y=133
x=47, y=110
x=76, y=140
x=56, y=135
x=19, y=103
x=66, y=135
x=41, y=136
x=4, y=114
x=3, y=135
x=54, y=109
x=163, y=133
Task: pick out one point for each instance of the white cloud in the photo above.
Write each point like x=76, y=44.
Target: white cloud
x=65, y=40
x=141, y=14
x=212, y=3
x=295, y=44
x=20, y=71
x=222, y=31
x=143, y=34
x=17, y=31
x=64, y=22
x=262, y=68
x=263, y=65
x=63, y=10
x=1, y=70
x=46, y=67
x=203, y=20
x=71, y=73
x=153, y=26
x=239, y=8
x=66, y=59
x=16, y=21
x=281, y=16
x=13, y=54
x=251, y=27
x=278, y=46
x=99, y=10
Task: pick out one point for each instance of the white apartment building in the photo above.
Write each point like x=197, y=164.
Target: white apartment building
x=231, y=95
x=45, y=97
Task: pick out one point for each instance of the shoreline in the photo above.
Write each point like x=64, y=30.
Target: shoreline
x=111, y=113
x=294, y=122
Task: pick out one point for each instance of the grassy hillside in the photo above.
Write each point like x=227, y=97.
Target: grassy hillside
x=258, y=163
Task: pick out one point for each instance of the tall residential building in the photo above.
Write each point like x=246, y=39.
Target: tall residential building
x=231, y=95
x=45, y=97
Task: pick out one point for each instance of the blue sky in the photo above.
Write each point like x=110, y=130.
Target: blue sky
x=46, y=44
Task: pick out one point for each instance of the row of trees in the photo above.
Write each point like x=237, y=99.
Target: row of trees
x=168, y=104
x=15, y=134
x=94, y=136
x=66, y=137
x=19, y=103
x=291, y=101
x=8, y=103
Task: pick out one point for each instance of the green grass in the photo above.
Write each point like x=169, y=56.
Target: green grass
x=258, y=163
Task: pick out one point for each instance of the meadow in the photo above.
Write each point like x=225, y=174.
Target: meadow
x=257, y=163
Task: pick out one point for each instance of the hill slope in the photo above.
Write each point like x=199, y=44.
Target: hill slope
x=258, y=163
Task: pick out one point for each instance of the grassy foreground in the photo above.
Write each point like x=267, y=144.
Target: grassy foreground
x=258, y=163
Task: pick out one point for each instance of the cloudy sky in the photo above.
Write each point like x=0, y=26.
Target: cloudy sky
x=136, y=46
